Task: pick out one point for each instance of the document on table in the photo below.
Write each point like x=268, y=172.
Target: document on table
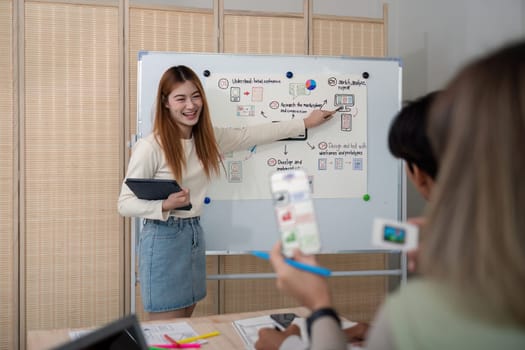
x=154, y=333
x=248, y=328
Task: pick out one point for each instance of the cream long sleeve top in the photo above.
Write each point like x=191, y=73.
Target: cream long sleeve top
x=148, y=161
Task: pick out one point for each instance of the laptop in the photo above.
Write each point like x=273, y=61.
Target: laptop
x=122, y=334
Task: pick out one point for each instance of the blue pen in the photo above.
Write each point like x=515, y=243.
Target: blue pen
x=318, y=270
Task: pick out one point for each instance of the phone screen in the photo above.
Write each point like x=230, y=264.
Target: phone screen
x=394, y=234
x=295, y=212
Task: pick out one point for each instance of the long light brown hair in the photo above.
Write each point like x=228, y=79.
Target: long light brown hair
x=168, y=133
x=476, y=219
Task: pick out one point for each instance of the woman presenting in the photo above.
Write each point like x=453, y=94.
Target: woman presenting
x=186, y=147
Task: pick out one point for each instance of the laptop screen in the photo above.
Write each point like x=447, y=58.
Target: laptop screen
x=124, y=333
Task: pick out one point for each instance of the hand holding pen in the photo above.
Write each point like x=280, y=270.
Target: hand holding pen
x=310, y=289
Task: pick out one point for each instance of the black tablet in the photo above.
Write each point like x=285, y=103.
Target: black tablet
x=154, y=189
x=122, y=334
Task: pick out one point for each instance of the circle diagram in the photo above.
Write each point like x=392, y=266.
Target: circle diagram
x=311, y=84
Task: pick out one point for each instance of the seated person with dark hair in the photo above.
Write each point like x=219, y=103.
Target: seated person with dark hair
x=407, y=140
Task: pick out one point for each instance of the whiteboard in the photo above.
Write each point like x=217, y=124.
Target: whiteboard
x=348, y=156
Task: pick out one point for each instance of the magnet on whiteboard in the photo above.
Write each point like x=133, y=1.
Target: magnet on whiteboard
x=289, y=75
x=207, y=200
x=311, y=84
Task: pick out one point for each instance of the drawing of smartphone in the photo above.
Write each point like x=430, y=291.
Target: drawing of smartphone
x=346, y=122
x=235, y=94
x=283, y=320
x=294, y=210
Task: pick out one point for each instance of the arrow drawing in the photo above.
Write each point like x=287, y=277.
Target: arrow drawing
x=285, y=151
x=311, y=147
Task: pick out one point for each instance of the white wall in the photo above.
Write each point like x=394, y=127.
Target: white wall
x=435, y=38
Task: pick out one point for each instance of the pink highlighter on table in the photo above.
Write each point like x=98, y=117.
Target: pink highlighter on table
x=174, y=344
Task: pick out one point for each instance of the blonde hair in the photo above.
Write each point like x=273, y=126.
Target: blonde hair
x=476, y=218
x=168, y=133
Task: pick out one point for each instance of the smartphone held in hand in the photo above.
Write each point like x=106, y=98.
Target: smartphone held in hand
x=283, y=320
x=294, y=209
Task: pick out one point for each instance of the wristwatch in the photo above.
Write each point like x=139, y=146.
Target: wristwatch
x=325, y=311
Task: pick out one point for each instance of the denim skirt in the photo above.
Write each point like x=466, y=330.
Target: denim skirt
x=172, y=264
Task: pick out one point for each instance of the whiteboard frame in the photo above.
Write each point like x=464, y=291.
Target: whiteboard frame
x=234, y=219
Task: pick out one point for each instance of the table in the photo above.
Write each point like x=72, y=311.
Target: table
x=229, y=338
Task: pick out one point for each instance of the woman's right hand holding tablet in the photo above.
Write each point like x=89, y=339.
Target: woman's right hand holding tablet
x=177, y=200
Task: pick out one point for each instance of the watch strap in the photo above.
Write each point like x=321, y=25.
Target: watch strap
x=323, y=312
